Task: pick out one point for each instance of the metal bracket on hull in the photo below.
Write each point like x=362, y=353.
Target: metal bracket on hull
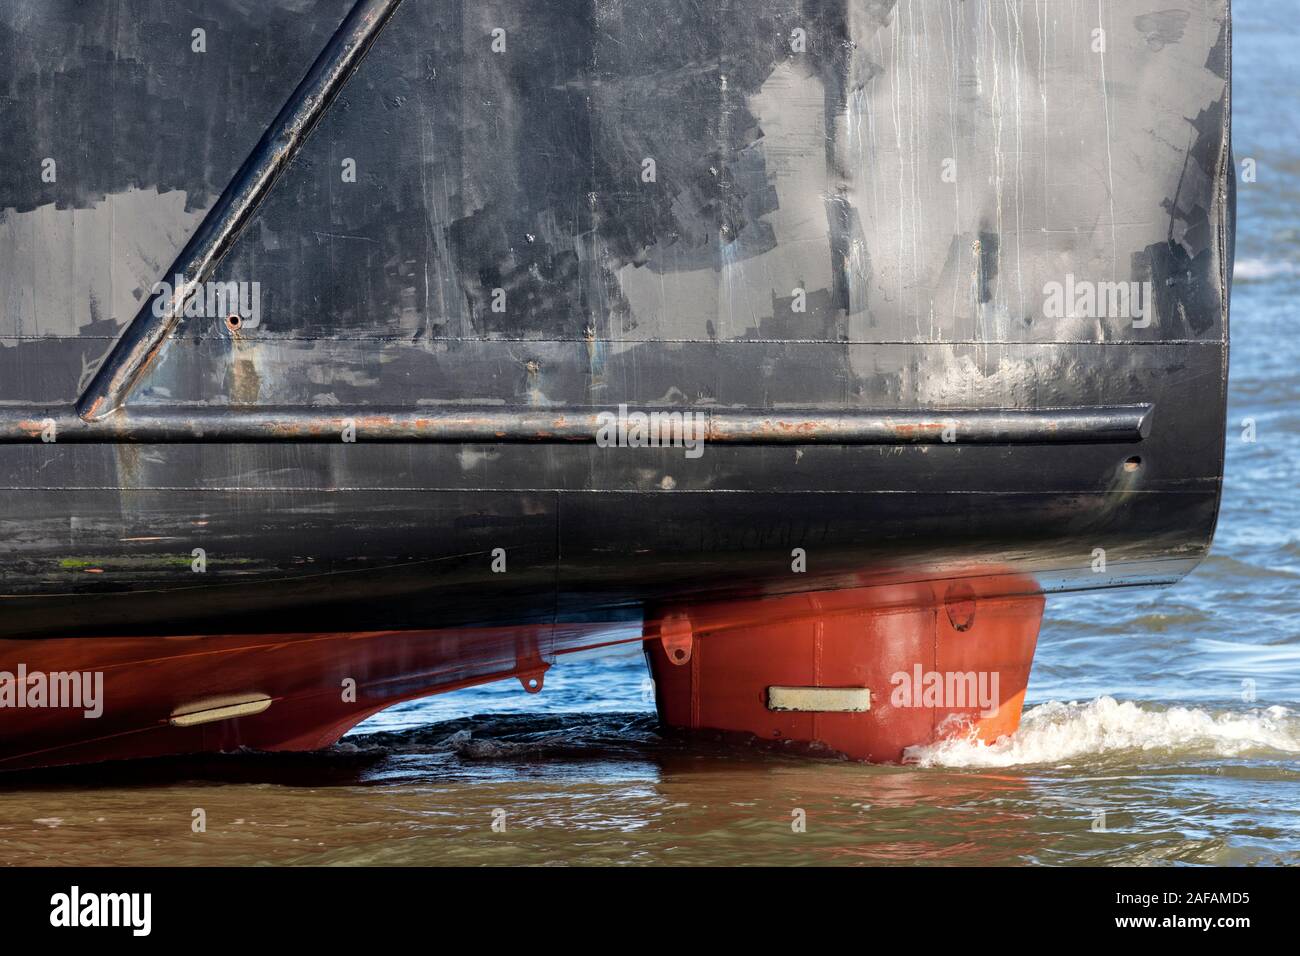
x=530, y=666
x=677, y=638
x=532, y=682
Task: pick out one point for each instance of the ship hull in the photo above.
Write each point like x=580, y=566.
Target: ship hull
x=907, y=664
x=943, y=289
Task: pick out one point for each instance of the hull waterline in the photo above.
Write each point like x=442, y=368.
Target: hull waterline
x=358, y=355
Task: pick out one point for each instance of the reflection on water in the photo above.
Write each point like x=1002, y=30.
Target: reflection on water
x=1124, y=785
x=582, y=774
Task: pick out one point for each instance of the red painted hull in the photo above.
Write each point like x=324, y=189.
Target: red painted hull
x=713, y=664
x=147, y=680
x=938, y=659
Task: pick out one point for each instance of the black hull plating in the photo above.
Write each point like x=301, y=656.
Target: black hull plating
x=768, y=210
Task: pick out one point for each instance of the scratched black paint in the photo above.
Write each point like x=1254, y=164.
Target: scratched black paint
x=521, y=171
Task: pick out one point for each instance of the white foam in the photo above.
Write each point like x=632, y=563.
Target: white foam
x=1054, y=732
x=1248, y=270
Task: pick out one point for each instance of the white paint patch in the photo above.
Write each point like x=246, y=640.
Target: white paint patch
x=76, y=266
x=820, y=700
x=213, y=709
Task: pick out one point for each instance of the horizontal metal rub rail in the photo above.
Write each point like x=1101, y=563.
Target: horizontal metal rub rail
x=624, y=425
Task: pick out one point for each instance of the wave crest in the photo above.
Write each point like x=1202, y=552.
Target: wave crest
x=1261, y=270
x=1055, y=731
